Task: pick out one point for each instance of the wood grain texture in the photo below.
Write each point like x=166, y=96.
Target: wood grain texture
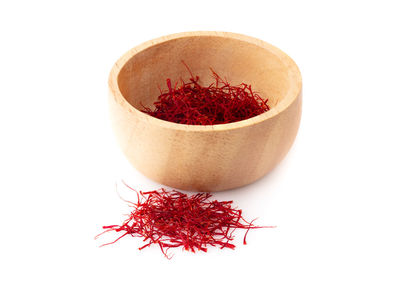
x=205, y=158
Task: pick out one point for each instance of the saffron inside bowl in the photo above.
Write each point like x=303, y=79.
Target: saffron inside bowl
x=220, y=102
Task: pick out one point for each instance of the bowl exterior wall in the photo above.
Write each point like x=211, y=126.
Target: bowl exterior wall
x=205, y=160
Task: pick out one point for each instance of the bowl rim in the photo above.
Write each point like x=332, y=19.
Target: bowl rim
x=294, y=91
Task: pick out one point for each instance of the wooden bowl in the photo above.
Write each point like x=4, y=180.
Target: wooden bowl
x=196, y=157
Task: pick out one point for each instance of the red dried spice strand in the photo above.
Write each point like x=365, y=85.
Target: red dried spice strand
x=172, y=219
x=219, y=103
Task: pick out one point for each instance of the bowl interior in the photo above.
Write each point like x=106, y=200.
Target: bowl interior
x=238, y=61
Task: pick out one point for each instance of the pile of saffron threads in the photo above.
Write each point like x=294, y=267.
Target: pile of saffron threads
x=219, y=103
x=173, y=219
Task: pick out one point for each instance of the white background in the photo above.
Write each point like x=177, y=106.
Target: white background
x=335, y=198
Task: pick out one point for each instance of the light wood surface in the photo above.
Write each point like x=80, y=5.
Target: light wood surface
x=205, y=158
